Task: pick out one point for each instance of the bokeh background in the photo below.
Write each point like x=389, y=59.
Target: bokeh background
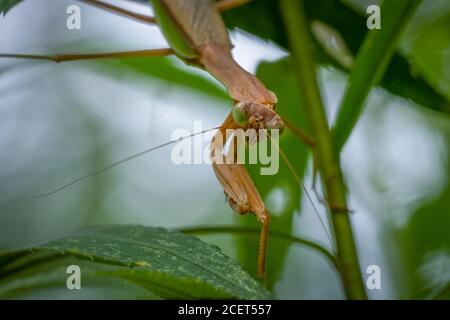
x=59, y=121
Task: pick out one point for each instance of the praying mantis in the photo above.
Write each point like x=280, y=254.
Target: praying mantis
x=198, y=36
x=253, y=102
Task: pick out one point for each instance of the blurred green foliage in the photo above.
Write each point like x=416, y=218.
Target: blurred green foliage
x=350, y=24
x=6, y=5
x=56, y=128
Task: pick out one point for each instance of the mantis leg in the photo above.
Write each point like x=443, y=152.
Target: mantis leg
x=222, y=5
x=240, y=190
x=120, y=11
x=91, y=56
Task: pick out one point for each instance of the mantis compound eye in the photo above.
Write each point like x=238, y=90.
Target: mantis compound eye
x=240, y=113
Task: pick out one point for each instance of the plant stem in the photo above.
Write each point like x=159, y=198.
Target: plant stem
x=328, y=162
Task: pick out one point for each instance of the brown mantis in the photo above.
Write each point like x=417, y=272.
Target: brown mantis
x=198, y=36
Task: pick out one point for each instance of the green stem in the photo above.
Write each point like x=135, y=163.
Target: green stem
x=247, y=230
x=304, y=64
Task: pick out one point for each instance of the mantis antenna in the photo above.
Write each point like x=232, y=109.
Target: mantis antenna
x=115, y=164
x=136, y=155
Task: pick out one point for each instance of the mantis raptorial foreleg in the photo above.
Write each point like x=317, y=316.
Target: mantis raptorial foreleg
x=239, y=188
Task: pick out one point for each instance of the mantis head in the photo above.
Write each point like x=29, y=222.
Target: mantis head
x=257, y=116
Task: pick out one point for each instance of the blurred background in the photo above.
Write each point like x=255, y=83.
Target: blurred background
x=60, y=121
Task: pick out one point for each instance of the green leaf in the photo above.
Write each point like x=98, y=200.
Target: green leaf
x=424, y=242
x=443, y=293
x=166, y=263
x=6, y=5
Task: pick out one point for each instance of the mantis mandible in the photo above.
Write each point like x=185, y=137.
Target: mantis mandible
x=198, y=36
